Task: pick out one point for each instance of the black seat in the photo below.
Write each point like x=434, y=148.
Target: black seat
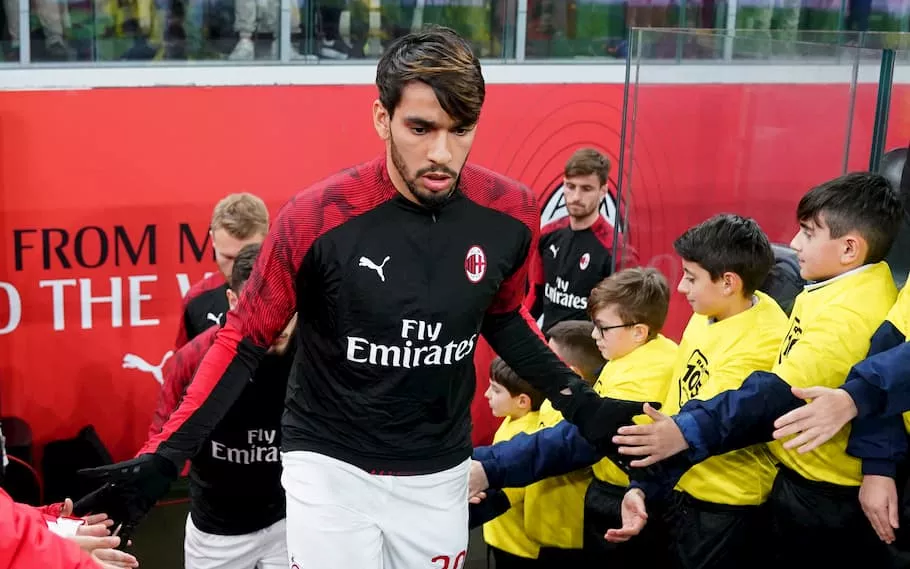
x=896, y=169
x=783, y=282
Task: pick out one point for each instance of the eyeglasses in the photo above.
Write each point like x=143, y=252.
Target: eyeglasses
x=605, y=329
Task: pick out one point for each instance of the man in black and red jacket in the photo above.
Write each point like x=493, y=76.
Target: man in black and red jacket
x=237, y=506
x=575, y=252
x=396, y=267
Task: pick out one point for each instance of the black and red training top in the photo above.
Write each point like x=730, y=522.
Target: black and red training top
x=392, y=298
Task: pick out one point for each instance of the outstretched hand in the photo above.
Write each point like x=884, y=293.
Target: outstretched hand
x=818, y=421
x=129, y=491
x=655, y=441
x=634, y=517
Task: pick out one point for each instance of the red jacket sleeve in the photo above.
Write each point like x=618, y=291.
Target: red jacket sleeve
x=26, y=543
x=182, y=335
x=178, y=373
x=266, y=305
x=535, y=284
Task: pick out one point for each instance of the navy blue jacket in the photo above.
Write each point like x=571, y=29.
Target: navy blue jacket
x=881, y=394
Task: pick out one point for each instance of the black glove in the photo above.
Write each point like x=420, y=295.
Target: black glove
x=494, y=505
x=598, y=419
x=130, y=490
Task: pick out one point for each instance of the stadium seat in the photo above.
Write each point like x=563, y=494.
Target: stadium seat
x=894, y=167
x=784, y=282
x=21, y=479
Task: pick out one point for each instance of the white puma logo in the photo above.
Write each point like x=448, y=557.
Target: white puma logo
x=214, y=318
x=555, y=250
x=132, y=361
x=364, y=262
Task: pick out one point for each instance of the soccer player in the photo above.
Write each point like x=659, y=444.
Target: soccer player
x=237, y=505
x=395, y=267
x=238, y=220
x=575, y=252
x=715, y=516
x=847, y=226
x=628, y=309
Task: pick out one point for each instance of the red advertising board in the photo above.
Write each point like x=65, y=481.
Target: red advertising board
x=105, y=196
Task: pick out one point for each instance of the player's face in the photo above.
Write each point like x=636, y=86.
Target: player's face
x=426, y=148
x=821, y=257
x=615, y=338
x=502, y=403
x=280, y=345
x=583, y=195
x=227, y=248
x=707, y=297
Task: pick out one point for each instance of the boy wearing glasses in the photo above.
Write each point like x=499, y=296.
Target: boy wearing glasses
x=628, y=310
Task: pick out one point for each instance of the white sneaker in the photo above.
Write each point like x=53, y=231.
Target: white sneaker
x=295, y=55
x=335, y=49
x=243, y=51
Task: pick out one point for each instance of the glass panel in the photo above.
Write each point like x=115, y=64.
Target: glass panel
x=155, y=30
x=9, y=31
x=487, y=24
x=752, y=142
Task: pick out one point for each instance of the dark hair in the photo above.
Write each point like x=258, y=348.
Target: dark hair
x=440, y=58
x=587, y=161
x=862, y=202
x=578, y=347
x=501, y=373
x=243, y=266
x=729, y=243
x=641, y=295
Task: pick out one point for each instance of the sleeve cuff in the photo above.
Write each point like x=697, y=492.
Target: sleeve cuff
x=866, y=397
x=688, y=426
x=494, y=474
x=879, y=467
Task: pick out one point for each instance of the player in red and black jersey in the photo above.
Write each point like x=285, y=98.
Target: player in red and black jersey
x=238, y=220
x=575, y=252
x=396, y=267
x=237, y=504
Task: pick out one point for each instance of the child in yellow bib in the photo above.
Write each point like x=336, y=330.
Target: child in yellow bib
x=514, y=399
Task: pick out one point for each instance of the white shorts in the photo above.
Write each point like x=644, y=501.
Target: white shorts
x=263, y=549
x=341, y=517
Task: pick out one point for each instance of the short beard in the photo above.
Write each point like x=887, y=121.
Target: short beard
x=426, y=198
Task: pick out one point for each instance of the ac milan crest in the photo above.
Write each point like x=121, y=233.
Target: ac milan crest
x=584, y=261
x=475, y=264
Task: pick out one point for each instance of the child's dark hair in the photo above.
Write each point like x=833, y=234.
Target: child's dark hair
x=501, y=373
x=862, y=202
x=641, y=295
x=243, y=266
x=728, y=243
x=578, y=347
